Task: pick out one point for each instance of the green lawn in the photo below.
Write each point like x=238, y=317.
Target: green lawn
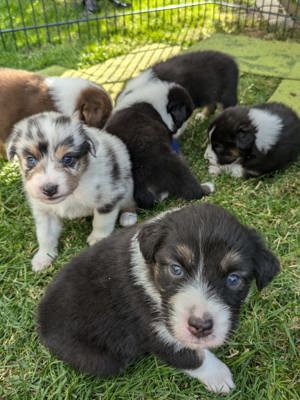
x=262, y=354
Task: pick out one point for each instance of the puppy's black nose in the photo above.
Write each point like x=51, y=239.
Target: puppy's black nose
x=50, y=190
x=200, y=327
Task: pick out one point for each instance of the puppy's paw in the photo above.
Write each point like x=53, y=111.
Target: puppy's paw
x=214, y=170
x=208, y=187
x=214, y=374
x=41, y=261
x=128, y=218
x=95, y=237
x=200, y=116
x=236, y=171
x=219, y=380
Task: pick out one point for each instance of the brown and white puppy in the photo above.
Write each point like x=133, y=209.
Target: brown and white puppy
x=70, y=170
x=173, y=286
x=24, y=93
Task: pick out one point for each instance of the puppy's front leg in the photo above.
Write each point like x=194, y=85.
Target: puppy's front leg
x=48, y=228
x=214, y=374
x=103, y=224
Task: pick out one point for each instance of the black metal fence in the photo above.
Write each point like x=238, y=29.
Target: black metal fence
x=30, y=23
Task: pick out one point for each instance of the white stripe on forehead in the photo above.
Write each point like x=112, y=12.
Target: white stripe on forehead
x=201, y=258
x=268, y=127
x=55, y=132
x=65, y=92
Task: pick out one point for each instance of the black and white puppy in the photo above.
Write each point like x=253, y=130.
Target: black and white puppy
x=253, y=141
x=70, y=170
x=173, y=286
x=144, y=120
x=170, y=100
x=210, y=77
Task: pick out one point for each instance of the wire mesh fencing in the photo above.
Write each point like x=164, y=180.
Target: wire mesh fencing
x=31, y=23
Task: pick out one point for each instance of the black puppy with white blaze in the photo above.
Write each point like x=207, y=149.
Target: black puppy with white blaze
x=145, y=120
x=253, y=141
x=172, y=286
x=210, y=77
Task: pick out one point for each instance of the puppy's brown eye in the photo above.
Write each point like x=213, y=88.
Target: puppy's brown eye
x=176, y=270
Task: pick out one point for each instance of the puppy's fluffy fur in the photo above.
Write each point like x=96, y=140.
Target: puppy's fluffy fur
x=70, y=170
x=172, y=286
x=210, y=77
x=144, y=120
x=23, y=94
x=253, y=141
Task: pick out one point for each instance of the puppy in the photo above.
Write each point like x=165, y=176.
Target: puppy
x=70, y=170
x=23, y=94
x=253, y=141
x=145, y=121
x=210, y=77
x=172, y=286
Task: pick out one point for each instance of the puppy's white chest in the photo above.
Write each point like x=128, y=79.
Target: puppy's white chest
x=72, y=208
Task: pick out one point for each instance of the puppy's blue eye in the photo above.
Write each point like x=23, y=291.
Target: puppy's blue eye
x=68, y=161
x=176, y=270
x=31, y=161
x=233, y=281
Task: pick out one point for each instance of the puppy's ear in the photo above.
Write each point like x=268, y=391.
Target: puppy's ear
x=11, y=149
x=91, y=146
x=91, y=114
x=95, y=109
x=180, y=105
x=266, y=263
x=150, y=238
x=245, y=138
x=178, y=112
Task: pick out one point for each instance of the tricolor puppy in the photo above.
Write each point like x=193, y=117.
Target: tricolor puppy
x=210, y=77
x=172, y=286
x=145, y=120
x=23, y=94
x=70, y=170
x=253, y=141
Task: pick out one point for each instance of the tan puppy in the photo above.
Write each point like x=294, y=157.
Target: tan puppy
x=24, y=93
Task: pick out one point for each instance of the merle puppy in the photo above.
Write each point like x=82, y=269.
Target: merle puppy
x=70, y=170
x=210, y=77
x=253, y=141
x=172, y=286
x=144, y=121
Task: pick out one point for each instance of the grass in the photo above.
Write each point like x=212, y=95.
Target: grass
x=262, y=354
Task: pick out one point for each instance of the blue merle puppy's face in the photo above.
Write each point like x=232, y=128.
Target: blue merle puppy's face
x=53, y=153
x=202, y=262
